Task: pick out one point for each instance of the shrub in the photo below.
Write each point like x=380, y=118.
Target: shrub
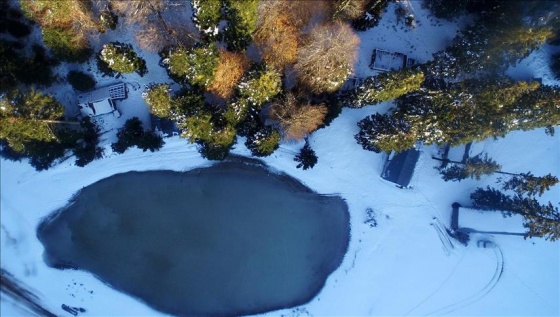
x=328, y=58
x=122, y=58
x=263, y=142
x=197, y=66
x=66, y=45
x=230, y=69
x=80, y=81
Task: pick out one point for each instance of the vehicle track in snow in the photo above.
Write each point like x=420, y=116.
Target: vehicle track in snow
x=498, y=272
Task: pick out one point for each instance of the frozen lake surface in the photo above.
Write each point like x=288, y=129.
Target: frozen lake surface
x=227, y=240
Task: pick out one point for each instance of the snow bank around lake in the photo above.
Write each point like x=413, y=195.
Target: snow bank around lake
x=406, y=265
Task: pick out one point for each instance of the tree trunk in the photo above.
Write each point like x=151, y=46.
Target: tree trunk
x=60, y=122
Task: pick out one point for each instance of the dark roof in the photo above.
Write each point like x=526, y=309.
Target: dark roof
x=399, y=170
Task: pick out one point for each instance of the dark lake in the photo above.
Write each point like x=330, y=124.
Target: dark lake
x=228, y=240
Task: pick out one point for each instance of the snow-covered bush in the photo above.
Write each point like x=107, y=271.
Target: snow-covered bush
x=122, y=58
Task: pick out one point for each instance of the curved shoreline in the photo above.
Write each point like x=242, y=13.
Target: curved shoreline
x=233, y=166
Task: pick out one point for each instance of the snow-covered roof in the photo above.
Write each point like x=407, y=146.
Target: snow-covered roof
x=92, y=109
x=490, y=221
x=385, y=60
x=400, y=168
x=100, y=101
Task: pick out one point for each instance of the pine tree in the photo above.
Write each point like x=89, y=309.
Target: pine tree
x=372, y=15
x=306, y=157
x=263, y=142
x=528, y=184
x=474, y=167
x=197, y=66
x=242, y=22
x=25, y=117
x=133, y=134
x=87, y=149
x=260, y=85
x=385, y=86
x=206, y=16
x=385, y=133
x=121, y=58
x=540, y=220
x=491, y=199
x=158, y=98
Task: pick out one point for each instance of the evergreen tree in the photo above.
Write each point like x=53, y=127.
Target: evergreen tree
x=80, y=81
x=196, y=66
x=528, y=184
x=474, y=167
x=121, y=58
x=242, y=22
x=66, y=45
x=372, y=16
x=385, y=133
x=206, y=16
x=87, y=149
x=491, y=199
x=306, y=157
x=133, y=134
x=263, y=142
x=385, y=86
x=540, y=220
x=25, y=117
x=158, y=98
x=260, y=85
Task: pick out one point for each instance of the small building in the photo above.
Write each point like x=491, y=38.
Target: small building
x=383, y=60
x=469, y=220
x=101, y=101
x=400, y=168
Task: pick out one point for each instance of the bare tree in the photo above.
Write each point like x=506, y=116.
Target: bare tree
x=297, y=120
x=348, y=9
x=231, y=68
x=280, y=26
x=328, y=58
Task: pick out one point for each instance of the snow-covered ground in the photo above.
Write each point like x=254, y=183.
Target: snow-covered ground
x=406, y=265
